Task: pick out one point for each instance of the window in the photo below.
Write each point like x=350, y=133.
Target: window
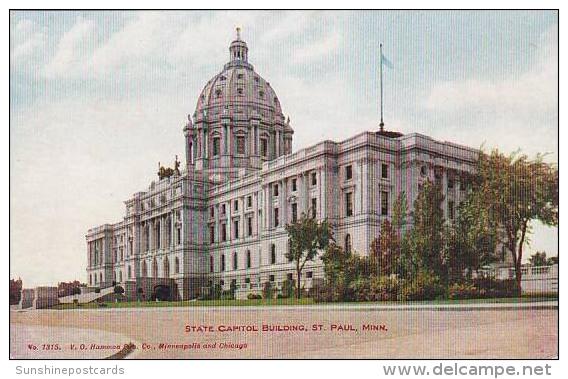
x=275, y=190
x=129, y=272
x=218, y=92
x=212, y=212
x=249, y=201
x=272, y=254
x=240, y=91
x=309, y=274
x=294, y=212
x=211, y=264
x=236, y=229
x=222, y=262
x=290, y=276
x=235, y=261
x=216, y=146
x=271, y=278
x=223, y=209
x=348, y=172
x=276, y=217
x=261, y=94
x=349, y=204
x=212, y=234
x=178, y=235
x=289, y=252
x=248, y=259
x=423, y=170
x=314, y=207
x=294, y=185
x=451, y=210
x=450, y=183
x=223, y=232
x=176, y=265
x=236, y=205
x=348, y=243
x=314, y=179
x=264, y=147
x=249, y=226
x=240, y=76
x=384, y=171
x=240, y=141
x=384, y=203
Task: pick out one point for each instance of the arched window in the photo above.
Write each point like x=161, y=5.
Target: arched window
x=222, y=262
x=158, y=241
x=154, y=268
x=90, y=279
x=146, y=237
x=129, y=272
x=177, y=265
x=120, y=276
x=95, y=279
x=211, y=264
x=166, y=272
x=144, y=269
x=101, y=278
x=272, y=254
x=348, y=243
x=235, y=261
x=248, y=259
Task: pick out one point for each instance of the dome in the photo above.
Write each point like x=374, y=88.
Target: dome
x=238, y=91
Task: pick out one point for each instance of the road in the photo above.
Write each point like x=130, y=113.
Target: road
x=495, y=331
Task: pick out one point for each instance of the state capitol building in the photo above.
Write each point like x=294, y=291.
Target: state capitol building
x=219, y=219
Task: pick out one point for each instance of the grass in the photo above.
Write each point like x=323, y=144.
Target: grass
x=292, y=301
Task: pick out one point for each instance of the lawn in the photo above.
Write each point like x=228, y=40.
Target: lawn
x=292, y=301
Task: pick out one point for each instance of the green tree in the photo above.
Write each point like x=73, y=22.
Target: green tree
x=538, y=259
x=307, y=236
x=517, y=191
x=385, y=249
x=426, y=236
x=470, y=241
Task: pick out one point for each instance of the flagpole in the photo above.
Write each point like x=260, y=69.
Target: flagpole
x=382, y=124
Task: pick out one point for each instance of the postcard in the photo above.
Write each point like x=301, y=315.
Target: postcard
x=284, y=184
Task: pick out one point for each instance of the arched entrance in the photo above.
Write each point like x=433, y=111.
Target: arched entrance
x=162, y=292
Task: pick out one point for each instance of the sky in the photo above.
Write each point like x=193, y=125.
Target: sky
x=97, y=99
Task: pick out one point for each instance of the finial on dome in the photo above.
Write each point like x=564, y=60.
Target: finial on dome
x=238, y=33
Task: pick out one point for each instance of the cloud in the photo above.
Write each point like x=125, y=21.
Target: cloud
x=532, y=91
x=323, y=47
x=28, y=41
x=72, y=47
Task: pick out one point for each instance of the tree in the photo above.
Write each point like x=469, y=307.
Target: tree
x=426, y=236
x=538, y=259
x=307, y=236
x=385, y=249
x=517, y=191
x=470, y=241
x=552, y=261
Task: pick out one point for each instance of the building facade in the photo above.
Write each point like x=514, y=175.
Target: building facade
x=220, y=219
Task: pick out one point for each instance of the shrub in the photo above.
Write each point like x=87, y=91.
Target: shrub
x=76, y=302
x=384, y=288
x=118, y=290
x=288, y=288
x=464, y=291
x=267, y=290
x=97, y=290
x=361, y=289
x=228, y=295
x=492, y=287
x=320, y=293
x=216, y=292
x=424, y=286
x=254, y=296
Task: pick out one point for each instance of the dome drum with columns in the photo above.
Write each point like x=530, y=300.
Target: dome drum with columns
x=238, y=122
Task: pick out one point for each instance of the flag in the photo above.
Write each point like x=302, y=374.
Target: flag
x=386, y=62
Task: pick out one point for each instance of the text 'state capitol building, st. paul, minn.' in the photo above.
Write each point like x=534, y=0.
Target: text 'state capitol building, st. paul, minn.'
x=220, y=218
